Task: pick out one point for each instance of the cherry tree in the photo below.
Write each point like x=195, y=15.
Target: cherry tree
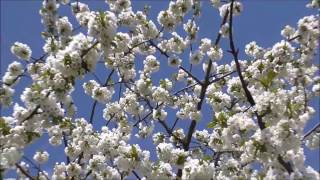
x=259, y=106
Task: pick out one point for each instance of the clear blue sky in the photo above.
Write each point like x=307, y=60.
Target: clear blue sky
x=261, y=21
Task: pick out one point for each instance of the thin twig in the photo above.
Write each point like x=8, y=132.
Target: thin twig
x=185, y=88
x=136, y=175
x=204, y=86
x=24, y=171
x=222, y=77
x=235, y=53
x=93, y=110
x=315, y=128
x=65, y=145
x=191, y=75
x=175, y=123
x=159, y=49
x=35, y=166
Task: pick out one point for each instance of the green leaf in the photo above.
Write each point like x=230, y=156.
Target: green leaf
x=293, y=108
x=181, y=160
x=220, y=120
x=207, y=158
x=101, y=18
x=31, y=136
x=4, y=127
x=134, y=153
x=163, y=83
x=261, y=67
x=66, y=123
x=67, y=60
x=57, y=120
x=235, y=88
x=217, y=141
x=267, y=80
x=212, y=124
x=259, y=147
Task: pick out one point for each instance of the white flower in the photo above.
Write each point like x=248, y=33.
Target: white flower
x=158, y=138
x=215, y=53
x=237, y=8
x=313, y=4
x=96, y=163
x=253, y=50
x=164, y=152
x=181, y=75
x=174, y=61
x=215, y=3
x=224, y=30
x=195, y=116
x=288, y=31
x=159, y=114
x=316, y=89
x=167, y=20
x=145, y=131
x=15, y=69
x=41, y=157
x=64, y=2
x=196, y=57
x=102, y=94
x=191, y=28
x=22, y=51
x=205, y=45
x=119, y=5
x=151, y=64
x=282, y=48
x=313, y=141
x=197, y=169
x=176, y=44
x=64, y=26
x=166, y=84
x=9, y=156
x=149, y=30
x=73, y=169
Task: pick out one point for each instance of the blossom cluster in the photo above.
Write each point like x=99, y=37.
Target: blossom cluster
x=259, y=106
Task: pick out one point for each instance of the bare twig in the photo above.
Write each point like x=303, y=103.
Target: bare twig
x=204, y=86
x=235, y=52
x=159, y=49
x=222, y=77
x=136, y=175
x=65, y=145
x=316, y=128
x=191, y=75
x=24, y=172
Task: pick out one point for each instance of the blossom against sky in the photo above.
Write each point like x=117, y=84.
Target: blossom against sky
x=260, y=21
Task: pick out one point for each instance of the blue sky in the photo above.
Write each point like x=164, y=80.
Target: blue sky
x=261, y=21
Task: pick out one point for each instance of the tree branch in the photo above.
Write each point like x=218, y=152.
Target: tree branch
x=204, y=86
x=24, y=172
x=136, y=175
x=159, y=49
x=191, y=75
x=315, y=128
x=235, y=52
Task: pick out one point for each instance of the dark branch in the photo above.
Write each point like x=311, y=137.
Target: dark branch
x=24, y=172
x=204, y=86
x=159, y=49
x=191, y=75
x=235, y=53
x=286, y=165
x=136, y=175
x=316, y=128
